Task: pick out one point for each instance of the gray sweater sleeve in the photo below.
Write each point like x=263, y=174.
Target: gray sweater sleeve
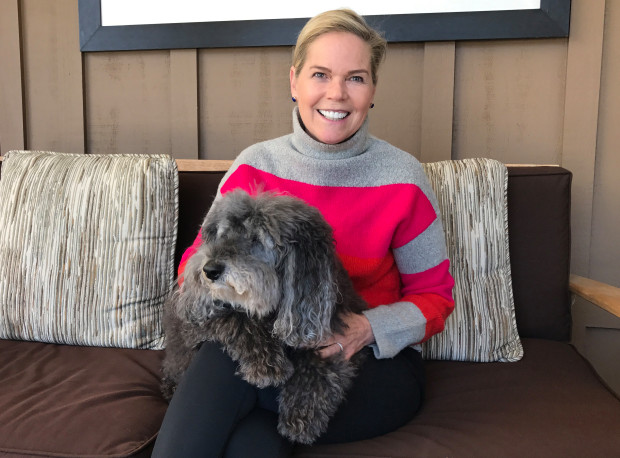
x=395, y=327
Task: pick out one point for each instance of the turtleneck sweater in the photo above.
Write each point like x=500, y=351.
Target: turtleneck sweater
x=384, y=217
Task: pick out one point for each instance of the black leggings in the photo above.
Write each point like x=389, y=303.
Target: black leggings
x=215, y=413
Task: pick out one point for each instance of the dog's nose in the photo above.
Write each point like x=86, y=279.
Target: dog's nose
x=213, y=270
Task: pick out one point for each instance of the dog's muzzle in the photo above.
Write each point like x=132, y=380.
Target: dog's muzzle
x=213, y=270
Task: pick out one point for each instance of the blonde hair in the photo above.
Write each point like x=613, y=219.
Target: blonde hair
x=341, y=20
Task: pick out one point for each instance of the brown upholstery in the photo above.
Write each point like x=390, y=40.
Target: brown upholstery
x=549, y=404
x=63, y=400
x=539, y=233
x=75, y=401
x=196, y=192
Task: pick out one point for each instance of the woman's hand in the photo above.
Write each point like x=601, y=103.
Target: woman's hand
x=356, y=336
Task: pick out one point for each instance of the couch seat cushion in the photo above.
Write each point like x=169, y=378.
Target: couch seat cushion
x=549, y=404
x=60, y=400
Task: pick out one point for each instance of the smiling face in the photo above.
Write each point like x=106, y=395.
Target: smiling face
x=334, y=89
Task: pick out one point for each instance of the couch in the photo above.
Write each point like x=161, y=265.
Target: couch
x=95, y=401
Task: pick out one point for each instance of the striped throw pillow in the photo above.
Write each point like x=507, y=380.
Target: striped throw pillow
x=86, y=247
x=472, y=202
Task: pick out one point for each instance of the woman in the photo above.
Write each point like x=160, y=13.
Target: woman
x=388, y=235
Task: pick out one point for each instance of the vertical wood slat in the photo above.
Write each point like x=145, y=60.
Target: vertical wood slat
x=606, y=211
x=437, y=102
x=11, y=89
x=54, y=108
x=184, y=131
x=397, y=116
x=583, y=82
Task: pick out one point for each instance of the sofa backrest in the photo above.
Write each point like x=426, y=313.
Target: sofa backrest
x=539, y=233
x=539, y=202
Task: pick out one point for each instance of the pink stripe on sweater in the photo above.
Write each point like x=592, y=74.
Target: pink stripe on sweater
x=434, y=280
x=363, y=218
x=188, y=253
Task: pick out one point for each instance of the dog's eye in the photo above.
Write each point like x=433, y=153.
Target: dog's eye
x=262, y=238
x=258, y=251
x=209, y=232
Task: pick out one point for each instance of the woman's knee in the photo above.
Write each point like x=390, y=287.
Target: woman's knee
x=257, y=436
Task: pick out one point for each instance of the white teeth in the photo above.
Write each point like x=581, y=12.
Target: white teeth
x=334, y=115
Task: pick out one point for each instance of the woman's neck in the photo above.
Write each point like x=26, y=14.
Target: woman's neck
x=309, y=146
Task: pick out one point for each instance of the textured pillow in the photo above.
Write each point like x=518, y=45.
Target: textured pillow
x=86, y=247
x=473, y=207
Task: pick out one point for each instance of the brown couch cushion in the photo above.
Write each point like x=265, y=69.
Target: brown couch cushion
x=59, y=400
x=539, y=231
x=551, y=398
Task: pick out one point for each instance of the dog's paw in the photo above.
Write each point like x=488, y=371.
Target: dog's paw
x=262, y=374
x=304, y=411
x=312, y=395
x=301, y=425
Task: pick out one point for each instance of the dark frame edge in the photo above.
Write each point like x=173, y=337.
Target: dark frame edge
x=559, y=13
x=551, y=20
x=90, y=21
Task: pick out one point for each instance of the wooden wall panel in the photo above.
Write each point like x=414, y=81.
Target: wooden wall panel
x=11, y=90
x=184, y=136
x=605, y=253
x=128, y=102
x=583, y=78
x=245, y=98
x=52, y=75
x=509, y=100
x=142, y=102
x=437, y=102
x=397, y=115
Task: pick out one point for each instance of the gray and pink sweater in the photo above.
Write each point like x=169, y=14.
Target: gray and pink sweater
x=385, y=219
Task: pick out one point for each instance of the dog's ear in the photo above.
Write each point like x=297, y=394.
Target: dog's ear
x=309, y=284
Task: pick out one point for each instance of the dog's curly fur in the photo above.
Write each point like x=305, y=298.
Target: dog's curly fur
x=267, y=285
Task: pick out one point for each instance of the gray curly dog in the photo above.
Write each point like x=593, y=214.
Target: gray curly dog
x=267, y=285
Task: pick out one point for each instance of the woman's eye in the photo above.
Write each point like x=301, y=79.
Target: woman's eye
x=319, y=75
x=357, y=79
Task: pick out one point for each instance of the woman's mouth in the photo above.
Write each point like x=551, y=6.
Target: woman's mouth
x=333, y=115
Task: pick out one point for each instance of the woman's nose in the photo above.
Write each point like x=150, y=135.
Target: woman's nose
x=337, y=89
